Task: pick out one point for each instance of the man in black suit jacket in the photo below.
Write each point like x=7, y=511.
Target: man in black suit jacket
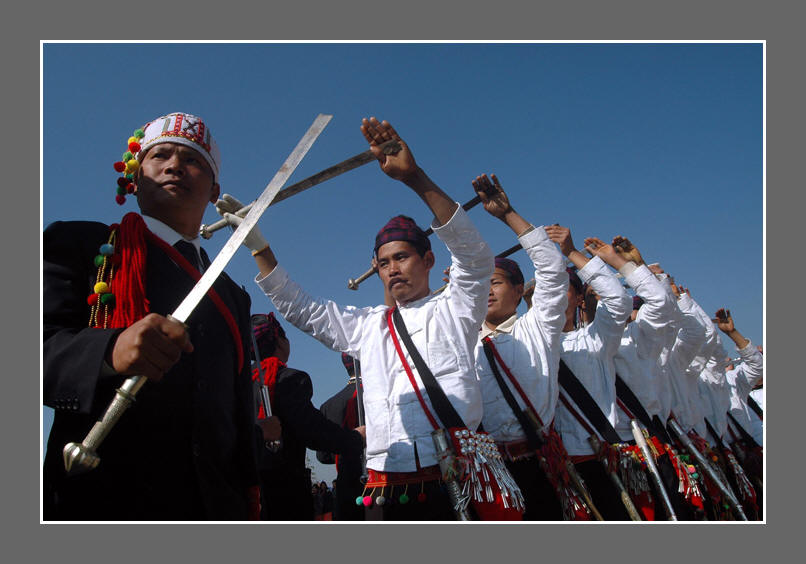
x=284, y=480
x=342, y=408
x=185, y=449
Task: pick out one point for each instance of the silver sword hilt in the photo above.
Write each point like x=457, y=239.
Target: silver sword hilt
x=638, y=433
x=446, y=460
x=83, y=456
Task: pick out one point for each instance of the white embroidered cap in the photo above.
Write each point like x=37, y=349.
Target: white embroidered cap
x=183, y=129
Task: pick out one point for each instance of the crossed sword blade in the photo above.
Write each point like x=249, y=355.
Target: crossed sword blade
x=82, y=457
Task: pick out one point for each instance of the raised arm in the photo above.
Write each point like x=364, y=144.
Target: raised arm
x=401, y=166
x=724, y=322
x=496, y=203
x=751, y=369
x=562, y=236
x=549, y=291
x=616, y=304
x=690, y=336
x=659, y=306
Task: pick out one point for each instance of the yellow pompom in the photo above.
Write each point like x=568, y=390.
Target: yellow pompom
x=132, y=139
x=132, y=165
x=101, y=288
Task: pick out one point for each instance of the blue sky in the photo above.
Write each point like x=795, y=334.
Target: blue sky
x=662, y=143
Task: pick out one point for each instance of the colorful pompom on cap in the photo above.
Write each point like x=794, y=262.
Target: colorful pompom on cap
x=127, y=166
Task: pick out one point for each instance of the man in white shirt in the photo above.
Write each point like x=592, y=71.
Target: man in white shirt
x=644, y=336
x=529, y=347
x=400, y=455
x=588, y=352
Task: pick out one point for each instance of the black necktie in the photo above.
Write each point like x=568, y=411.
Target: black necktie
x=205, y=259
x=188, y=251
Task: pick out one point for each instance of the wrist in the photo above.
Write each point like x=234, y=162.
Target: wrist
x=417, y=180
x=578, y=259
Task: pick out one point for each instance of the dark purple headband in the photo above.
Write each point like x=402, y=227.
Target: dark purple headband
x=402, y=228
x=268, y=330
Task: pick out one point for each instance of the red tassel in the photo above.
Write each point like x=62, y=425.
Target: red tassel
x=268, y=368
x=129, y=282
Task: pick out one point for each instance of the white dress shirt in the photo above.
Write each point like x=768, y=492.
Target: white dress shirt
x=715, y=391
x=705, y=366
x=684, y=340
x=589, y=351
x=529, y=345
x=443, y=327
x=741, y=381
x=170, y=236
x=637, y=357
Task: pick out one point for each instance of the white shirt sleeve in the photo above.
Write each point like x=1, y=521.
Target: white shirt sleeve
x=337, y=327
x=614, y=306
x=550, y=297
x=655, y=314
x=472, y=265
x=690, y=336
x=750, y=370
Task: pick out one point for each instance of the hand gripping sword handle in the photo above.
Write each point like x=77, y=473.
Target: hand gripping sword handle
x=81, y=457
x=707, y=468
x=640, y=440
x=447, y=463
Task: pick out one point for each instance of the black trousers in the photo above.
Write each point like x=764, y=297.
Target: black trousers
x=668, y=475
x=605, y=495
x=348, y=488
x=435, y=506
x=542, y=503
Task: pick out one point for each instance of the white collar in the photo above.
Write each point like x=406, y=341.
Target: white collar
x=505, y=327
x=168, y=234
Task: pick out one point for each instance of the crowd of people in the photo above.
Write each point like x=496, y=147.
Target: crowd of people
x=611, y=398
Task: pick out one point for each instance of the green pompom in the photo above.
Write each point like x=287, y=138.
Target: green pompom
x=127, y=156
x=99, y=260
x=121, y=190
x=107, y=299
x=139, y=133
x=404, y=498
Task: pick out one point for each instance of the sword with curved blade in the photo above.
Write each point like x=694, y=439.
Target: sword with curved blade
x=81, y=457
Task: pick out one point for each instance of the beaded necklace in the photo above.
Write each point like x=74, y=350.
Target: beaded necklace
x=102, y=300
